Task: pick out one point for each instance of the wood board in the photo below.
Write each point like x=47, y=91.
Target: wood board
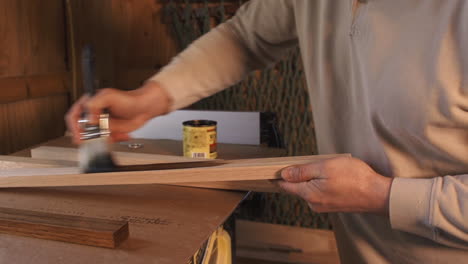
x=12, y=162
x=65, y=228
x=68, y=154
x=285, y=244
x=121, y=158
x=167, y=223
x=175, y=148
x=239, y=170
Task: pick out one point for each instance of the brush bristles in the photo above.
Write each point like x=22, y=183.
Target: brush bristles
x=94, y=156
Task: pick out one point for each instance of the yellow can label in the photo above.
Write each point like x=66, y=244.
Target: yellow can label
x=200, y=142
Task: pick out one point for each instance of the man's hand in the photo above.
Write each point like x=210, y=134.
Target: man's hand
x=339, y=185
x=128, y=110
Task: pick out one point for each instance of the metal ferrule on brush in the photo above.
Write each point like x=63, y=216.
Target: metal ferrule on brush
x=94, y=155
x=91, y=131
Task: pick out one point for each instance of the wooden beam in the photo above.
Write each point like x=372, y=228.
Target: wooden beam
x=65, y=228
x=240, y=170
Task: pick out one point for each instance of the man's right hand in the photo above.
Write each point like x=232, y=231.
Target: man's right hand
x=128, y=110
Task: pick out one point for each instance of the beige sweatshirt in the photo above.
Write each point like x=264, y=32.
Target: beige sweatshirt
x=388, y=82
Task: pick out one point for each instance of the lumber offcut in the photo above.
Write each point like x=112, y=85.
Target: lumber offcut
x=65, y=228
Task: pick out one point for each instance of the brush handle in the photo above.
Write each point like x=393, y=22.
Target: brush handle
x=88, y=69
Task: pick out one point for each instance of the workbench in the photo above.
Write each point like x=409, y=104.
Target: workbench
x=168, y=224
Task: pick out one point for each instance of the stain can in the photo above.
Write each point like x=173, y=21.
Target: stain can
x=200, y=139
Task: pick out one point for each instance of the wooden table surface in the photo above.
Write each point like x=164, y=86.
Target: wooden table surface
x=167, y=223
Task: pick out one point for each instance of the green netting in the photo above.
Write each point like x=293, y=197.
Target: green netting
x=280, y=89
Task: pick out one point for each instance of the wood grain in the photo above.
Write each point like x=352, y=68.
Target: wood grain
x=12, y=39
x=43, y=27
x=65, y=228
x=266, y=186
x=32, y=38
x=167, y=224
x=130, y=39
x=128, y=158
x=13, y=89
x=53, y=157
x=12, y=162
x=21, y=88
x=174, y=148
x=29, y=122
x=122, y=158
x=32, y=41
x=241, y=170
x=47, y=84
x=285, y=244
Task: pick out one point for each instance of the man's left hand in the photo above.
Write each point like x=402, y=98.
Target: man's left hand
x=341, y=184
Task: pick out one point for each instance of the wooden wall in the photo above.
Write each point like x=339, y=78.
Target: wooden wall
x=33, y=72
x=37, y=65
x=129, y=37
x=133, y=38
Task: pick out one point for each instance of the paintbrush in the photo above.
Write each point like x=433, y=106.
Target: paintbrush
x=94, y=154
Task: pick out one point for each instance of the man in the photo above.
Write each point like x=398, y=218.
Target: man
x=388, y=81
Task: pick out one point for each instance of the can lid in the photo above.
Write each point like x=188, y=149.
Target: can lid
x=199, y=123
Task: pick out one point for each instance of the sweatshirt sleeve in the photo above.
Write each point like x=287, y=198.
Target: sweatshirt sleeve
x=259, y=34
x=435, y=208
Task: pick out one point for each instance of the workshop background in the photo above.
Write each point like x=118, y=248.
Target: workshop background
x=133, y=39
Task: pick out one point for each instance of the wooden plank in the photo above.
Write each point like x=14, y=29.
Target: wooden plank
x=44, y=49
x=122, y=158
x=168, y=224
x=61, y=157
x=65, y=228
x=49, y=84
x=5, y=132
x=255, y=186
x=12, y=89
x=131, y=158
x=32, y=38
x=12, y=39
x=128, y=158
x=29, y=122
x=12, y=162
x=285, y=244
x=134, y=78
x=19, y=88
x=127, y=35
x=174, y=148
x=236, y=171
